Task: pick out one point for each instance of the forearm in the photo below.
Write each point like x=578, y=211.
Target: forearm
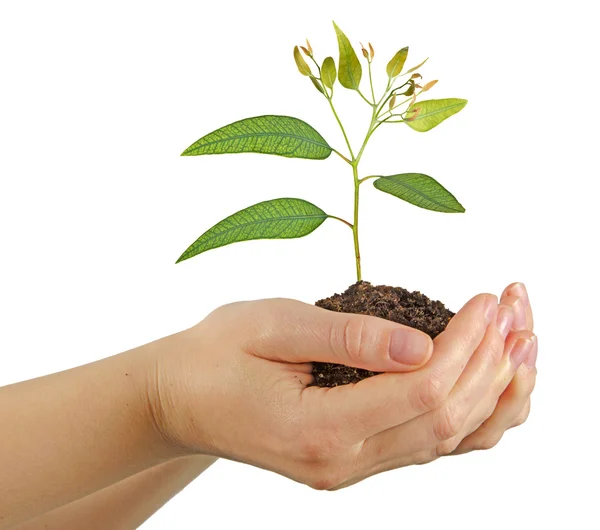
x=69, y=434
x=127, y=504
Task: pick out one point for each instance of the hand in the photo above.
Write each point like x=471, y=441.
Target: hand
x=235, y=386
x=512, y=409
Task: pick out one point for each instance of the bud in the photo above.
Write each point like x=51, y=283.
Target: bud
x=392, y=101
x=372, y=51
x=416, y=76
x=305, y=50
x=364, y=52
x=310, y=50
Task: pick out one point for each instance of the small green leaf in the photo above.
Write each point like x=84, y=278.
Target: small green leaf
x=273, y=135
x=433, y=112
x=328, y=72
x=415, y=67
x=395, y=66
x=303, y=67
x=420, y=190
x=317, y=85
x=275, y=219
x=350, y=71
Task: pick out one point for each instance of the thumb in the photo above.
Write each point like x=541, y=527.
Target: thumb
x=298, y=332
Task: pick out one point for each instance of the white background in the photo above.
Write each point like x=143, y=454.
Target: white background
x=97, y=101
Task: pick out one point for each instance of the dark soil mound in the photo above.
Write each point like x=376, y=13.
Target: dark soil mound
x=392, y=303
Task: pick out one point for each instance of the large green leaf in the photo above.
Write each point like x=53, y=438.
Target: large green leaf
x=273, y=135
x=349, y=71
x=432, y=112
x=394, y=67
x=420, y=190
x=275, y=219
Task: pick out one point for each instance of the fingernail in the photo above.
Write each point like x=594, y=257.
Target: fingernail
x=531, y=358
x=519, y=289
x=520, y=321
x=504, y=320
x=520, y=350
x=409, y=347
x=491, y=307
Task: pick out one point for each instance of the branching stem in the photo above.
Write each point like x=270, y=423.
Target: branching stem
x=377, y=107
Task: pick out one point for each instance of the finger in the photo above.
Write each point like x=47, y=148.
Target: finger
x=519, y=289
x=296, y=332
x=522, y=417
x=440, y=427
x=518, y=306
x=508, y=369
x=512, y=409
x=378, y=403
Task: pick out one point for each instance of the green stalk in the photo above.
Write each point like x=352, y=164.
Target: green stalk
x=341, y=127
x=355, y=160
x=355, y=223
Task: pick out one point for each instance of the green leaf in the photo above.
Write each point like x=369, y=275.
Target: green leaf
x=317, y=84
x=275, y=219
x=420, y=190
x=433, y=112
x=273, y=135
x=416, y=67
x=303, y=67
x=395, y=66
x=350, y=71
x=328, y=72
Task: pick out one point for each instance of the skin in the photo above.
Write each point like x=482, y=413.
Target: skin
x=133, y=427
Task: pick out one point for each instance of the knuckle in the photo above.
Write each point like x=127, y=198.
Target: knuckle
x=522, y=418
x=429, y=394
x=313, y=451
x=446, y=447
x=449, y=422
x=530, y=384
x=319, y=447
x=488, y=443
x=353, y=336
x=321, y=482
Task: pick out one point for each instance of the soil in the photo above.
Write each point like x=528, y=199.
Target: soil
x=393, y=303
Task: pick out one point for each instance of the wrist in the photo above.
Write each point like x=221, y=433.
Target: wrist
x=165, y=382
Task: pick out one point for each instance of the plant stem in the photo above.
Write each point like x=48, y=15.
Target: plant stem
x=360, y=181
x=355, y=224
x=363, y=96
x=357, y=182
x=341, y=127
x=371, y=83
x=342, y=220
x=377, y=107
x=341, y=156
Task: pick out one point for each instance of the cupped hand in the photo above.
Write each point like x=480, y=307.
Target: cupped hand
x=513, y=406
x=236, y=386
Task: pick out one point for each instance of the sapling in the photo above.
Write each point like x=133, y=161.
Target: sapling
x=293, y=138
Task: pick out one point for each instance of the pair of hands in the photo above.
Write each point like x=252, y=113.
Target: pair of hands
x=235, y=386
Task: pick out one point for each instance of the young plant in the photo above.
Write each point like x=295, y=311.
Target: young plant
x=293, y=138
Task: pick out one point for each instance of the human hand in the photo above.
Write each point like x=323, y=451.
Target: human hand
x=513, y=406
x=235, y=386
